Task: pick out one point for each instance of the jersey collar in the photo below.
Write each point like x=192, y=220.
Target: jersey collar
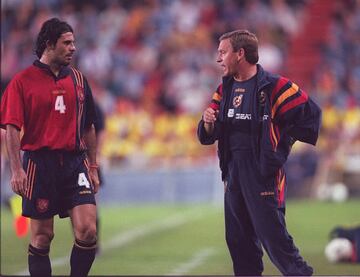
x=64, y=71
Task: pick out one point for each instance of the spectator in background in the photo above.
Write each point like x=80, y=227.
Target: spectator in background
x=137, y=34
x=128, y=29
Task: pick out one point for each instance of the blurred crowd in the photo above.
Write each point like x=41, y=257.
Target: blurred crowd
x=152, y=66
x=336, y=86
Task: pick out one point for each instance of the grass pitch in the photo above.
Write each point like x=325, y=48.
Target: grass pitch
x=179, y=240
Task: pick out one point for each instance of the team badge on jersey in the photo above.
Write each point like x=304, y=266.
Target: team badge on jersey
x=237, y=101
x=42, y=205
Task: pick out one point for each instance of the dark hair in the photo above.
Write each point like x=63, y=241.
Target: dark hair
x=50, y=32
x=246, y=40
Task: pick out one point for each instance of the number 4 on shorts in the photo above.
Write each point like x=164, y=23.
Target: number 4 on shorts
x=83, y=181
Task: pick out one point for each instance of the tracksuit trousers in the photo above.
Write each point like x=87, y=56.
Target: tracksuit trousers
x=253, y=219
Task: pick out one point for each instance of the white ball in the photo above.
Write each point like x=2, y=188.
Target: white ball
x=339, y=192
x=338, y=249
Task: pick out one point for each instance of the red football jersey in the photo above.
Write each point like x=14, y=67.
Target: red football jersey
x=53, y=110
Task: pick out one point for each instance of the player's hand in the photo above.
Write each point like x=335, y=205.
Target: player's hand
x=94, y=177
x=209, y=116
x=19, y=182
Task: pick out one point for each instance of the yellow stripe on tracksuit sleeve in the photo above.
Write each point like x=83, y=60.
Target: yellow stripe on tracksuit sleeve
x=285, y=95
x=217, y=96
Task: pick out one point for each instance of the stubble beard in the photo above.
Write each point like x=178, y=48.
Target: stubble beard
x=62, y=62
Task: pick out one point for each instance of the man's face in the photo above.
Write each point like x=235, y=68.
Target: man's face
x=63, y=50
x=227, y=58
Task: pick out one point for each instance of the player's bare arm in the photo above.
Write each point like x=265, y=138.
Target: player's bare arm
x=18, y=176
x=209, y=117
x=90, y=140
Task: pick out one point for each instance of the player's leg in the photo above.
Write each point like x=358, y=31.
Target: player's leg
x=269, y=222
x=40, y=206
x=98, y=231
x=39, y=247
x=244, y=246
x=79, y=202
x=83, y=218
x=101, y=179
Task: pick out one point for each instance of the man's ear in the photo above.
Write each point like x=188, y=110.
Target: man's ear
x=50, y=46
x=240, y=53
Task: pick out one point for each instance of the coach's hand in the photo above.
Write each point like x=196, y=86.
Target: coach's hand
x=209, y=116
x=94, y=176
x=19, y=181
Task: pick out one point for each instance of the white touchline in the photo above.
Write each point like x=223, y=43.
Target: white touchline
x=128, y=236
x=194, y=262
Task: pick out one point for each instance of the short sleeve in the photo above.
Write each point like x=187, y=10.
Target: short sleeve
x=12, y=105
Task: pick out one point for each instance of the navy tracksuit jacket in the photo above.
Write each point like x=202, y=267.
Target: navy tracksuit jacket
x=281, y=113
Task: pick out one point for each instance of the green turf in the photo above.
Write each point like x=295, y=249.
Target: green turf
x=161, y=240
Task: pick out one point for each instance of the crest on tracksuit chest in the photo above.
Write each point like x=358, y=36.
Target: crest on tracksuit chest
x=237, y=100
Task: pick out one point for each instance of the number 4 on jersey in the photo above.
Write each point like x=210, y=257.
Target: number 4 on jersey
x=83, y=181
x=59, y=104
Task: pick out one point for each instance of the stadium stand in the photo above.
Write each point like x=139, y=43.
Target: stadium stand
x=153, y=70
